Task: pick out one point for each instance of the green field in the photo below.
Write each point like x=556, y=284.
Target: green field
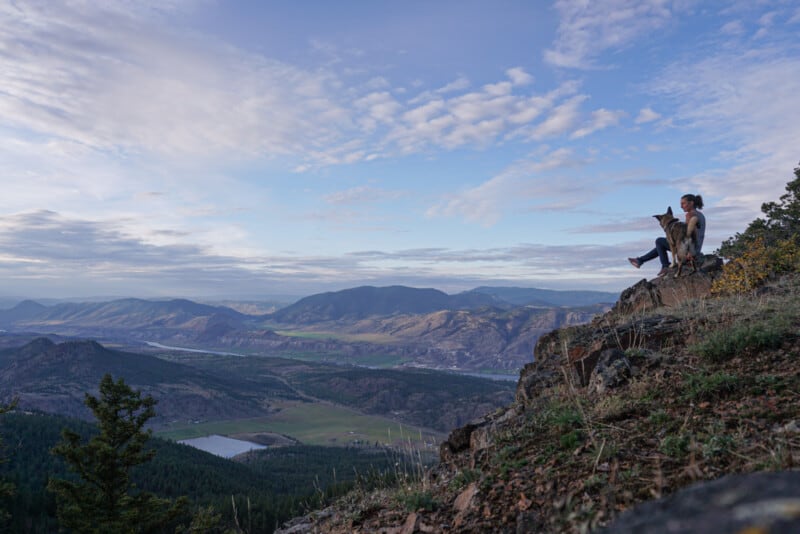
x=315, y=424
x=382, y=361
x=350, y=338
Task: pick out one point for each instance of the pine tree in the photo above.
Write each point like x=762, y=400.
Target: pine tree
x=6, y=488
x=104, y=499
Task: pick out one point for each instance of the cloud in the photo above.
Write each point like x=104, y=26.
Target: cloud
x=361, y=194
x=457, y=85
x=131, y=84
x=587, y=29
x=647, y=115
x=601, y=119
x=748, y=104
x=518, y=76
x=135, y=87
x=734, y=27
x=524, y=182
x=100, y=259
x=561, y=120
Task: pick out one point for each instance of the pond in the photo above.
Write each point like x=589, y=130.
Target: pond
x=222, y=446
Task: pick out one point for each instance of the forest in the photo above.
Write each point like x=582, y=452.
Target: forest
x=257, y=492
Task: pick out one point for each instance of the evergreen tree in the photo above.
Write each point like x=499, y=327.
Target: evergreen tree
x=6, y=488
x=104, y=499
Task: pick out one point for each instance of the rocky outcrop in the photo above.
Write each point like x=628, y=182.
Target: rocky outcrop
x=668, y=290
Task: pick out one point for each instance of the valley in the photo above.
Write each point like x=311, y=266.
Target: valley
x=369, y=380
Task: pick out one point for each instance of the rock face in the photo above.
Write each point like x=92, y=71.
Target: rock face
x=756, y=502
x=596, y=355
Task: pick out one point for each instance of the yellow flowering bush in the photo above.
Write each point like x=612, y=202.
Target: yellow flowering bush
x=756, y=264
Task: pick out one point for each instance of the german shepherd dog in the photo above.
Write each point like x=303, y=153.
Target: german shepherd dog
x=682, y=244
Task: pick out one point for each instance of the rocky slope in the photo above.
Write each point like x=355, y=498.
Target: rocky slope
x=671, y=388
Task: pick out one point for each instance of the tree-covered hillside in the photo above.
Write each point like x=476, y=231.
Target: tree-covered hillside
x=278, y=483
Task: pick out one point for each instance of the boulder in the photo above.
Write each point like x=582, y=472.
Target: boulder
x=612, y=370
x=755, y=502
x=457, y=441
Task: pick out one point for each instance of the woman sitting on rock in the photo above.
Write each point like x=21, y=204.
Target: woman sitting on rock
x=696, y=222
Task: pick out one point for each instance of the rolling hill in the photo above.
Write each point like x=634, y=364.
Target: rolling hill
x=367, y=301
x=531, y=296
x=54, y=378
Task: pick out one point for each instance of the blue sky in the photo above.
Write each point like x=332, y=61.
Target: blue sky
x=246, y=149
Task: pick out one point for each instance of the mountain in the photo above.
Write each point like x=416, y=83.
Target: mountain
x=486, y=338
x=127, y=313
x=530, y=296
x=22, y=311
x=53, y=377
x=121, y=320
x=367, y=301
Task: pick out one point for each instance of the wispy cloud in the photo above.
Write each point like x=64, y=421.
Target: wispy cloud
x=362, y=194
x=134, y=86
x=561, y=120
x=587, y=29
x=600, y=119
x=112, y=77
x=520, y=183
x=647, y=115
x=741, y=101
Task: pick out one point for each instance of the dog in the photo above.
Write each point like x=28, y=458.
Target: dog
x=682, y=241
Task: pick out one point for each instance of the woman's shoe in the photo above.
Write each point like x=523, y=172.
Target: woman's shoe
x=635, y=262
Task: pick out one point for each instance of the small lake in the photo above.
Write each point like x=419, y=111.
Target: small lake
x=222, y=446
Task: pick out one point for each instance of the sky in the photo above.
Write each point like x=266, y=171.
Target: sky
x=247, y=149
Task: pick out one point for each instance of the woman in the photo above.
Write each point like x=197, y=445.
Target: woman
x=695, y=220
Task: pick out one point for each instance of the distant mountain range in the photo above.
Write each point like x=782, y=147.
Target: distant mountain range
x=485, y=328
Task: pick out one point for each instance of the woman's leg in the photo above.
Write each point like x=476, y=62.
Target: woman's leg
x=660, y=252
x=662, y=246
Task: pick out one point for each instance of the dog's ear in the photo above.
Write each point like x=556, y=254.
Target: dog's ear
x=669, y=211
x=657, y=217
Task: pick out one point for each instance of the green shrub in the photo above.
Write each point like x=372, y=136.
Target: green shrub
x=659, y=418
x=465, y=478
x=701, y=386
x=419, y=500
x=722, y=345
x=675, y=446
x=718, y=445
x=570, y=440
x=564, y=417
